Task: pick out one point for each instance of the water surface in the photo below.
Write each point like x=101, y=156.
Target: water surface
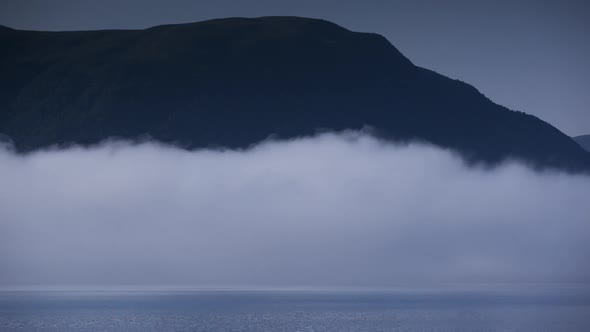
x=297, y=310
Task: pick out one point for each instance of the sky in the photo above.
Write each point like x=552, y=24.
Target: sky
x=334, y=210
x=530, y=56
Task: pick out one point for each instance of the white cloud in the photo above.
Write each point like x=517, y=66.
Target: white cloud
x=329, y=210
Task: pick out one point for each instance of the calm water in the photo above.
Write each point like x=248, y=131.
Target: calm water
x=473, y=310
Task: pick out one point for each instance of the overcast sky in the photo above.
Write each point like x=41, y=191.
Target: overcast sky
x=529, y=55
x=333, y=210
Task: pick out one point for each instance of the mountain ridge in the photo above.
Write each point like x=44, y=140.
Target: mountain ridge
x=583, y=141
x=233, y=82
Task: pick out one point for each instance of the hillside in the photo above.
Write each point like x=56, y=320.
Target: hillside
x=583, y=141
x=233, y=82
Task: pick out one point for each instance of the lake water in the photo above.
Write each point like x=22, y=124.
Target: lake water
x=297, y=310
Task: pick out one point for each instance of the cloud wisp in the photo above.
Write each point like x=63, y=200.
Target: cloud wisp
x=330, y=210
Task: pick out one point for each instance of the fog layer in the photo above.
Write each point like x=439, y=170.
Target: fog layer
x=331, y=210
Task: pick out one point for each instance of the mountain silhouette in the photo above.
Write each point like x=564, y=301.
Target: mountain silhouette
x=236, y=81
x=583, y=141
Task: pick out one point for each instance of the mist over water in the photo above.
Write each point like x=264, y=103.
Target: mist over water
x=330, y=210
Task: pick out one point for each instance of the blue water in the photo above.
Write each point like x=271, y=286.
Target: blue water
x=432, y=310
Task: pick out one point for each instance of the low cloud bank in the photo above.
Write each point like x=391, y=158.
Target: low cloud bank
x=331, y=210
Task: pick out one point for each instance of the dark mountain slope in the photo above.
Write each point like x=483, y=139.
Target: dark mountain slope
x=583, y=141
x=233, y=82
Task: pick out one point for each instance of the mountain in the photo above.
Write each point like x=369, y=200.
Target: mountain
x=583, y=141
x=5, y=140
x=233, y=82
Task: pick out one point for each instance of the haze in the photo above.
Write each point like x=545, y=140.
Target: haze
x=330, y=210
